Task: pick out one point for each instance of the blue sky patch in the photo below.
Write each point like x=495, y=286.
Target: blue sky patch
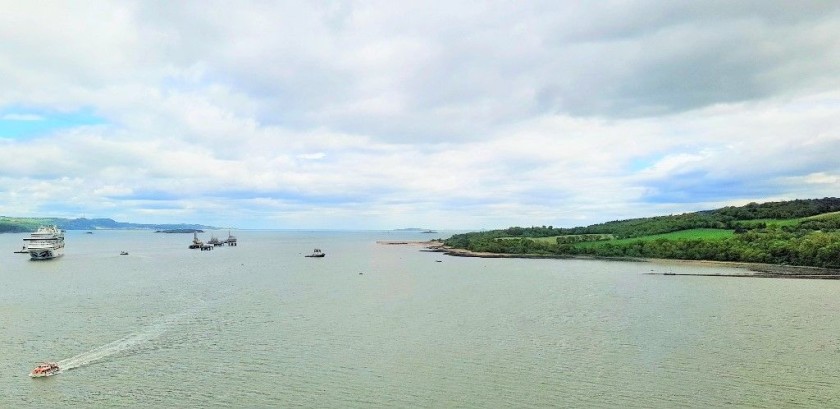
x=642, y=163
x=21, y=123
x=699, y=187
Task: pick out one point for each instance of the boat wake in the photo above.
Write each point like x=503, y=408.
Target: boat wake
x=131, y=342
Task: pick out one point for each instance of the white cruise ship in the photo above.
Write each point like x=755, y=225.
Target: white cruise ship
x=46, y=243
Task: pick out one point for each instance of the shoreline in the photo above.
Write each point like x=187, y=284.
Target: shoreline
x=753, y=270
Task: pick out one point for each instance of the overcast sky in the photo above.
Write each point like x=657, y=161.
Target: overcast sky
x=434, y=114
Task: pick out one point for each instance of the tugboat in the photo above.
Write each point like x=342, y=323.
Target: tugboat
x=45, y=369
x=316, y=253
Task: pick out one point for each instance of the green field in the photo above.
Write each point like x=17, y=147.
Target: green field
x=691, y=234
x=787, y=222
x=832, y=215
x=771, y=222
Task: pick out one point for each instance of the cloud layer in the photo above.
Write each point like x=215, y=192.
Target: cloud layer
x=393, y=114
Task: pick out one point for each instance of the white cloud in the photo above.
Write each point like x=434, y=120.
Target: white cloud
x=818, y=178
x=350, y=114
x=312, y=156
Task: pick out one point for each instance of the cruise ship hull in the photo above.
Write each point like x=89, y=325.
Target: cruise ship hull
x=45, y=254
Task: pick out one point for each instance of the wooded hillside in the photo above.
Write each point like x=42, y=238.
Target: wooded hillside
x=797, y=232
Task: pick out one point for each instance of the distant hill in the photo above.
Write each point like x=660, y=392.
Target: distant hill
x=29, y=224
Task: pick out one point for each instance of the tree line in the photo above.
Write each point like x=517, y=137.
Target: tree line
x=809, y=242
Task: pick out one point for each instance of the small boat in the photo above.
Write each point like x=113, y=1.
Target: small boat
x=45, y=369
x=316, y=253
x=123, y=253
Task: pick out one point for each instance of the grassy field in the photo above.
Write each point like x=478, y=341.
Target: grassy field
x=789, y=222
x=696, y=234
x=833, y=215
x=770, y=222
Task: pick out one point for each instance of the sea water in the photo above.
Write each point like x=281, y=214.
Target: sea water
x=373, y=325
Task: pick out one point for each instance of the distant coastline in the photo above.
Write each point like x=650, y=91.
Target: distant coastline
x=753, y=270
x=30, y=224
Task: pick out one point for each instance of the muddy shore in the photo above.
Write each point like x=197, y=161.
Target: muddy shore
x=755, y=270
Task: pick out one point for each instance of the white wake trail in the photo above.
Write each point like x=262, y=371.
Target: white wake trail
x=135, y=340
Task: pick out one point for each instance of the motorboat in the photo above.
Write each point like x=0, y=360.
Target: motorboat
x=46, y=243
x=316, y=253
x=123, y=253
x=45, y=369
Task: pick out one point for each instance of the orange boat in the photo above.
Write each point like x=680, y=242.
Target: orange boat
x=45, y=369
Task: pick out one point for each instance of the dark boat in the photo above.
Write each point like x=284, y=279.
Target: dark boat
x=316, y=253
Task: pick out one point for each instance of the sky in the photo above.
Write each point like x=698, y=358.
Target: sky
x=433, y=114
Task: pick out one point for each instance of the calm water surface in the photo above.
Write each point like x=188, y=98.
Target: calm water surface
x=259, y=325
